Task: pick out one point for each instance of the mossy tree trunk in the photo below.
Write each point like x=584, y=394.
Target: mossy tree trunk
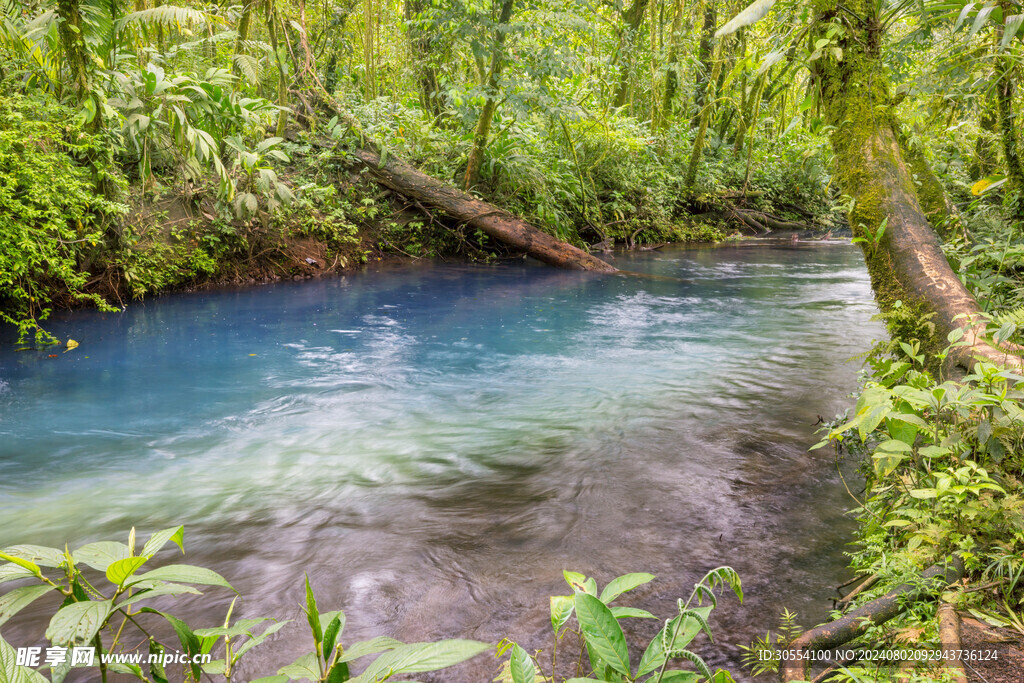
x=942, y=214
x=422, y=54
x=904, y=258
x=704, y=57
x=632, y=20
x=671, y=65
x=493, y=221
x=72, y=41
x=1006, y=77
x=703, y=119
x=273, y=22
x=483, y=125
x=242, y=29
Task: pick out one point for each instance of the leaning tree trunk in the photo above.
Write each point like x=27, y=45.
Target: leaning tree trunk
x=488, y=218
x=902, y=251
x=942, y=213
x=492, y=221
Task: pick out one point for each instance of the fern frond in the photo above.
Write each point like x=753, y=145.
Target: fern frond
x=1014, y=317
x=168, y=16
x=248, y=66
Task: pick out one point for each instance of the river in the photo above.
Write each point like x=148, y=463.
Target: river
x=434, y=443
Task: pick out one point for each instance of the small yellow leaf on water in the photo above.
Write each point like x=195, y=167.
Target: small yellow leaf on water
x=252, y=354
x=72, y=344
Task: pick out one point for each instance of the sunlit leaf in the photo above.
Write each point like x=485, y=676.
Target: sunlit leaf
x=752, y=14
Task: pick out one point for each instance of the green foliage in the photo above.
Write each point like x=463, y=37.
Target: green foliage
x=604, y=641
x=109, y=617
x=991, y=265
x=52, y=220
x=944, y=475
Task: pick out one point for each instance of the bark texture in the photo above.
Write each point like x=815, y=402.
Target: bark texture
x=902, y=251
x=938, y=207
x=494, y=222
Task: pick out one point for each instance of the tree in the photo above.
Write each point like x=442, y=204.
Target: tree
x=909, y=272
x=483, y=126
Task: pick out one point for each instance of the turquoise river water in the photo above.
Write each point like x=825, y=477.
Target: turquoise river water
x=433, y=444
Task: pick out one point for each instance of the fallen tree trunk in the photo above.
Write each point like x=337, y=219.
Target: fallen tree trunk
x=903, y=254
x=491, y=220
x=774, y=222
x=949, y=636
x=494, y=222
x=796, y=661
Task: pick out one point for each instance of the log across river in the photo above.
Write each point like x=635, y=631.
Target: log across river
x=433, y=444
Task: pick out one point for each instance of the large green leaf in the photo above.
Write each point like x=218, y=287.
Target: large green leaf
x=313, y=614
x=691, y=627
x=159, y=588
x=624, y=612
x=101, y=555
x=120, y=571
x=521, y=667
x=654, y=655
x=418, y=657
x=1010, y=29
x=78, y=622
x=256, y=640
x=13, y=571
x=37, y=554
x=602, y=632
x=561, y=610
x=369, y=647
x=184, y=573
x=160, y=538
x=624, y=584
x=18, y=599
x=331, y=631
x=305, y=668
x=10, y=672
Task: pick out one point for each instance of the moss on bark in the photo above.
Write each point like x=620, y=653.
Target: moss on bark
x=903, y=255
